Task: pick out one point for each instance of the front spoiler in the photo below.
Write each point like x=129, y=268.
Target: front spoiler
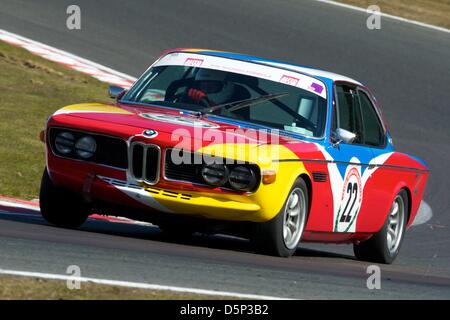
x=190, y=203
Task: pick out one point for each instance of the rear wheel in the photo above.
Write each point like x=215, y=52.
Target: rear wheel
x=281, y=235
x=384, y=246
x=60, y=206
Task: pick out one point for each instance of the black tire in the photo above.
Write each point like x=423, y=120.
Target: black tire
x=268, y=238
x=376, y=248
x=60, y=206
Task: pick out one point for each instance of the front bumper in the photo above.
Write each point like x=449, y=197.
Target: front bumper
x=212, y=206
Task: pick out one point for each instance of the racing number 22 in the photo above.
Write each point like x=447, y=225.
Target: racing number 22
x=352, y=190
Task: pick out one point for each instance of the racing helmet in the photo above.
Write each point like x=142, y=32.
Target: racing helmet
x=215, y=84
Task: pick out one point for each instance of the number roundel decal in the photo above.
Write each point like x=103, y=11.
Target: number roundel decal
x=350, y=203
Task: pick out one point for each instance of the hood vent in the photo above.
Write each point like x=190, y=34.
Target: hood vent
x=320, y=176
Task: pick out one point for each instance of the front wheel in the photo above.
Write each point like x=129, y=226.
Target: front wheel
x=384, y=246
x=281, y=235
x=60, y=206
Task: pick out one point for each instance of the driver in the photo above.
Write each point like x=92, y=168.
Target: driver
x=212, y=86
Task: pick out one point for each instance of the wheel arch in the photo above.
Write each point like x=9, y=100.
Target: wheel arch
x=400, y=187
x=409, y=199
x=308, y=183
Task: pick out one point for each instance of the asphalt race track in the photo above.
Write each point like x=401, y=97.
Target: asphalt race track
x=406, y=66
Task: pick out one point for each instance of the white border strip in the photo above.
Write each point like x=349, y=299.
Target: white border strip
x=98, y=71
x=415, y=22
x=139, y=285
x=18, y=205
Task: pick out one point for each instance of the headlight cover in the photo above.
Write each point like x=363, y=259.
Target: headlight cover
x=64, y=142
x=242, y=178
x=215, y=174
x=85, y=147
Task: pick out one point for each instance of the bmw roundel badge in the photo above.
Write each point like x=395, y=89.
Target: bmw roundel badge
x=150, y=133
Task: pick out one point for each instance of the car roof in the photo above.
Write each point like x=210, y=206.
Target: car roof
x=285, y=65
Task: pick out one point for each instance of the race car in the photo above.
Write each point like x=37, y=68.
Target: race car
x=210, y=141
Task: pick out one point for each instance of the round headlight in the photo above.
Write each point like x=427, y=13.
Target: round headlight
x=85, y=147
x=242, y=178
x=215, y=174
x=64, y=142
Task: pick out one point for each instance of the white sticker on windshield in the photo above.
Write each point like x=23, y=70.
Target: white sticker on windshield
x=287, y=77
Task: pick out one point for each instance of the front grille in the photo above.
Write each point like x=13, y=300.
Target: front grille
x=145, y=162
x=186, y=171
x=110, y=151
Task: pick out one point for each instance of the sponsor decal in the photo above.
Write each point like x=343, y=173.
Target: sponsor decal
x=292, y=81
x=316, y=87
x=193, y=62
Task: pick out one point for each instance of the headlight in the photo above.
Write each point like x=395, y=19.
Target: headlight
x=215, y=174
x=64, y=142
x=85, y=147
x=242, y=178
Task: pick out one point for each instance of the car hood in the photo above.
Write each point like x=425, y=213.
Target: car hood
x=173, y=121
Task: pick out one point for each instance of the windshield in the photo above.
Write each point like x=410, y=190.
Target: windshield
x=233, y=95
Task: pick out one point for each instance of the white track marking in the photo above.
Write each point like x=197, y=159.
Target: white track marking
x=18, y=205
x=417, y=23
x=139, y=285
x=424, y=214
x=70, y=60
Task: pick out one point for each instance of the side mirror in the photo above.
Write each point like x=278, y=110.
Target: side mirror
x=342, y=135
x=116, y=92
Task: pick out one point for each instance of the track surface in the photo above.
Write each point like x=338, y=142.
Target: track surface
x=407, y=67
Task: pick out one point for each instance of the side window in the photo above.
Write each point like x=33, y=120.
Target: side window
x=373, y=130
x=348, y=111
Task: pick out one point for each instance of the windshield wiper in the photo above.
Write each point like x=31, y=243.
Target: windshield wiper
x=236, y=105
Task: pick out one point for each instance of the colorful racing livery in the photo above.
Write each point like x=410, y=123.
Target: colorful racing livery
x=209, y=141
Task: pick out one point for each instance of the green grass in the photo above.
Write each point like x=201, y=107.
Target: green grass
x=31, y=89
x=24, y=288
x=436, y=12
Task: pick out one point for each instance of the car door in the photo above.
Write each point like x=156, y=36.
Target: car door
x=377, y=187
x=350, y=166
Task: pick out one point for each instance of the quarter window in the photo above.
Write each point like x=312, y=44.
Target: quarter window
x=349, y=114
x=373, y=130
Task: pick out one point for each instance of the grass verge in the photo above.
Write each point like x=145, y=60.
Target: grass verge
x=435, y=12
x=24, y=288
x=31, y=89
